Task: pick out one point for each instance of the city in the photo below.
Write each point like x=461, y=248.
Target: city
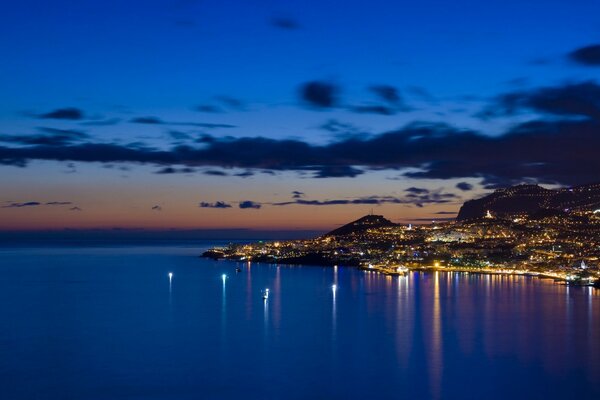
x=563, y=245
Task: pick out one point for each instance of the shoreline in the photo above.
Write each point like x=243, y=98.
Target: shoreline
x=394, y=272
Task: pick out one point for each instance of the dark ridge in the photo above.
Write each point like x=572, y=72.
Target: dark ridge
x=362, y=224
x=532, y=200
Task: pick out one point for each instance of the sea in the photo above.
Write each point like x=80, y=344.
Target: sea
x=156, y=321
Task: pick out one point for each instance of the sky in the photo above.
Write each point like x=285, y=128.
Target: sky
x=288, y=115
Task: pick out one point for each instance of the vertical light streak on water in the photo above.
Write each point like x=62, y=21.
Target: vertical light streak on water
x=170, y=287
x=266, y=317
x=334, y=289
x=223, y=305
x=403, y=335
x=436, y=367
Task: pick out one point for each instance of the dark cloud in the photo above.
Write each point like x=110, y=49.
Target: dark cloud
x=373, y=109
x=147, y=120
x=434, y=197
x=48, y=137
x=218, y=204
x=156, y=208
x=249, y=204
x=215, y=172
x=416, y=190
x=446, y=213
x=545, y=151
x=320, y=94
x=172, y=170
x=75, y=209
x=285, y=23
x=209, y=108
x=337, y=171
x=464, y=186
x=25, y=204
x=244, y=174
x=588, y=55
x=392, y=102
x=575, y=99
x=150, y=120
x=13, y=204
x=69, y=113
x=297, y=195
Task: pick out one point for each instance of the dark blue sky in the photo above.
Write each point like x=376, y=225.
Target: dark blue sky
x=230, y=81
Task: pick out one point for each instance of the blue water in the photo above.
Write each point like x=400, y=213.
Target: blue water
x=105, y=323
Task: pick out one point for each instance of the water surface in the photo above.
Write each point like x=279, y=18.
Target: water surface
x=106, y=323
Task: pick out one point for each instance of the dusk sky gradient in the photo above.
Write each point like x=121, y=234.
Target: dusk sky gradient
x=288, y=114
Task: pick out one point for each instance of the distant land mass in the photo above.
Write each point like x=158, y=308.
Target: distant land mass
x=362, y=224
x=532, y=200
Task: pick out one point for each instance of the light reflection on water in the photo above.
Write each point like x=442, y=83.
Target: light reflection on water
x=99, y=324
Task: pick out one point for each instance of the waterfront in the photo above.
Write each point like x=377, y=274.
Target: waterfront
x=106, y=322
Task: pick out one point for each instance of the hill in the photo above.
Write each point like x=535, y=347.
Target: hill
x=362, y=224
x=532, y=199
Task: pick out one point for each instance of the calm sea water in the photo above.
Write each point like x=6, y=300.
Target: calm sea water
x=106, y=323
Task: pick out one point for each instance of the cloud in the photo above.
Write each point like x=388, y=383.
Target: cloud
x=244, y=174
x=171, y=170
x=75, y=209
x=218, y=204
x=434, y=197
x=215, y=172
x=151, y=120
x=446, y=213
x=319, y=94
x=49, y=137
x=588, y=55
x=156, y=208
x=373, y=109
x=416, y=190
x=546, y=151
x=337, y=171
x=25, y=204
x=69, y=113
x=574, y=99
x=285, y=23
x=13, y=204
x=249, y=204
x=297, y=195
x=335, y=126
x=147, y=120
x=391, y=98
x=464, y=186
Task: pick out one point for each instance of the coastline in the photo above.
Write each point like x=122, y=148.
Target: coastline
x=403, y=271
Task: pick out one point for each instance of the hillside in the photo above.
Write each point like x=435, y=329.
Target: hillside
x=361, y=224
x=532, y=199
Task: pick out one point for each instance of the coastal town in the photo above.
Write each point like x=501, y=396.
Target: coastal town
x=559, y=244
